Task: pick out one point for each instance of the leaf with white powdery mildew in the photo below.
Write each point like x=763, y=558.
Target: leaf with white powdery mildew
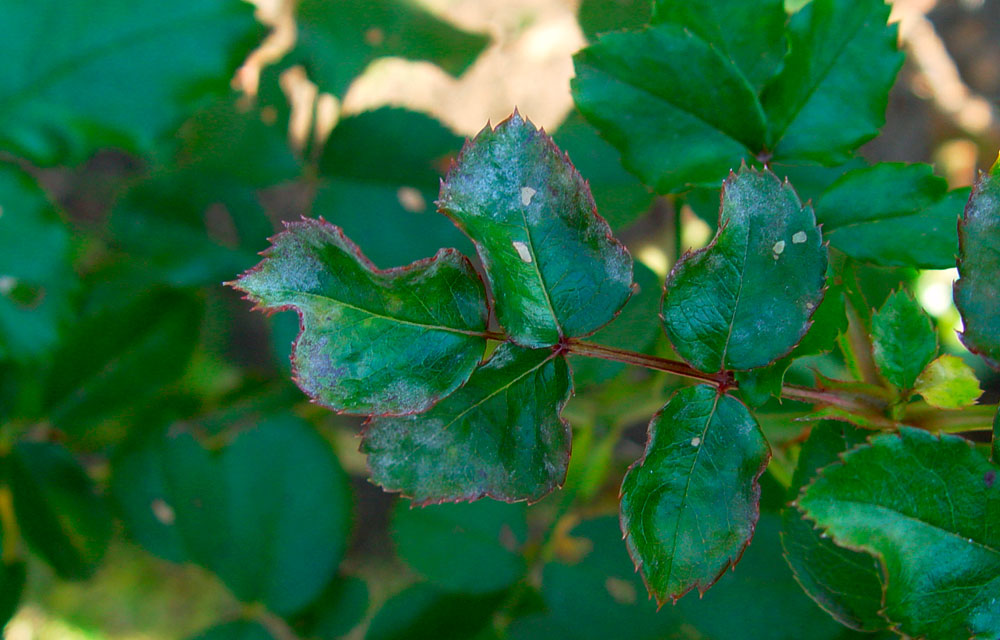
x=555, y=269
x=377, y=342
x=690, y=504
x=747, y=299
x=934, y=526
x=500, y=435
x=977, y=290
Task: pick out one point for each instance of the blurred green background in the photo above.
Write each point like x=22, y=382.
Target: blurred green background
x=163, y=478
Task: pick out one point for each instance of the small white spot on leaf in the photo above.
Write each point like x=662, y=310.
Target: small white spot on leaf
x=527, y=193
x=695, y=441
x=778, y=247
x=522, y=251
x=163, y=512
x=799, y=237
x=411, y=199
x=7, y=284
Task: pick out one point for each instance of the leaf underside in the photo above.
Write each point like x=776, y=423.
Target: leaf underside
x=500, y=435
x=553, y=266
x=690, y=504
x=747, y=299
x=371, y=341
x=933, y=528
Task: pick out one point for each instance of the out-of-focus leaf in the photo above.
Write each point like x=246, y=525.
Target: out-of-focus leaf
x=599, y=16
x=750, y=34
x=948, y=383
x=933, y=528
x=59, y=511
x=554, y=268
x=820, y=107
x=422, y=611
x=903, y=340
x=597, y=596
x=338, y=39
x=893, y=214
x=13, y=576
x=387, y=165
x=371, y=341
x=196, y=218
x=847, y=584
x=36, y=276
x=236, y=630
x=680, y=112
x=111, y=72
x=339, y=609
x=466, y=548
x=690, y=504
x=747, y=299
x=269, y=514
x=634, y=328
x=621, y=199
x=500, y=435
x=117, y=357
x=977, y=290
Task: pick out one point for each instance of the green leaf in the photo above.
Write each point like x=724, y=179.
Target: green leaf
x=893, y=214
x=340, y=608
x=554, y=268
x=371, y=341
x=36, y=276
x=977, y=290
x=747, y=299
x=269, y=514
x=466, y=548
x=598, y=16
x=13, y=576
x=621, y=198
x=422, y=611
x=120, y=355
x=60, y=513
x=236, y=630
x=500, y=435
x=928, y=508
x=750, y=34
x=338, y=39
x=995, y=448
x=392, y=160
x=847, y=584
x=903, y=340
x=820, y=107
x=948, y=383
x=760, y=600
x=677, y=109
x=134, y=72
x=689, y=505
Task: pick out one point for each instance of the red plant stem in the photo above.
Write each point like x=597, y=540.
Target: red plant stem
x=722, y=379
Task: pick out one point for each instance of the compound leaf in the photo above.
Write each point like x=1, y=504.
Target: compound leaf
x=948, y=383
x=747, y=299
x=690, y=504
x=893, y=214
x=750, y=34
x=36, y=275
x=269, y=514
x=903, y=340
x=680, y=112
x=821, y=107
x=371, y=341
x=934, y=528
x=847, y=584
x=113, y=72
x=466, y=548
x=337, y=39
x=554, y=268
x=500, y=435
x=60, y=513
x=977, y=290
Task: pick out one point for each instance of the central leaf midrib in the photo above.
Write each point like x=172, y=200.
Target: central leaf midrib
x=432, y=327
x=499, y=390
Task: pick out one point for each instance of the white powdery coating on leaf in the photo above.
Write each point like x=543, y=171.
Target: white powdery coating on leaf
x=778, y=247
x=522, y=251
x=695, y=441
x=799, y=237
x=527, y=193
